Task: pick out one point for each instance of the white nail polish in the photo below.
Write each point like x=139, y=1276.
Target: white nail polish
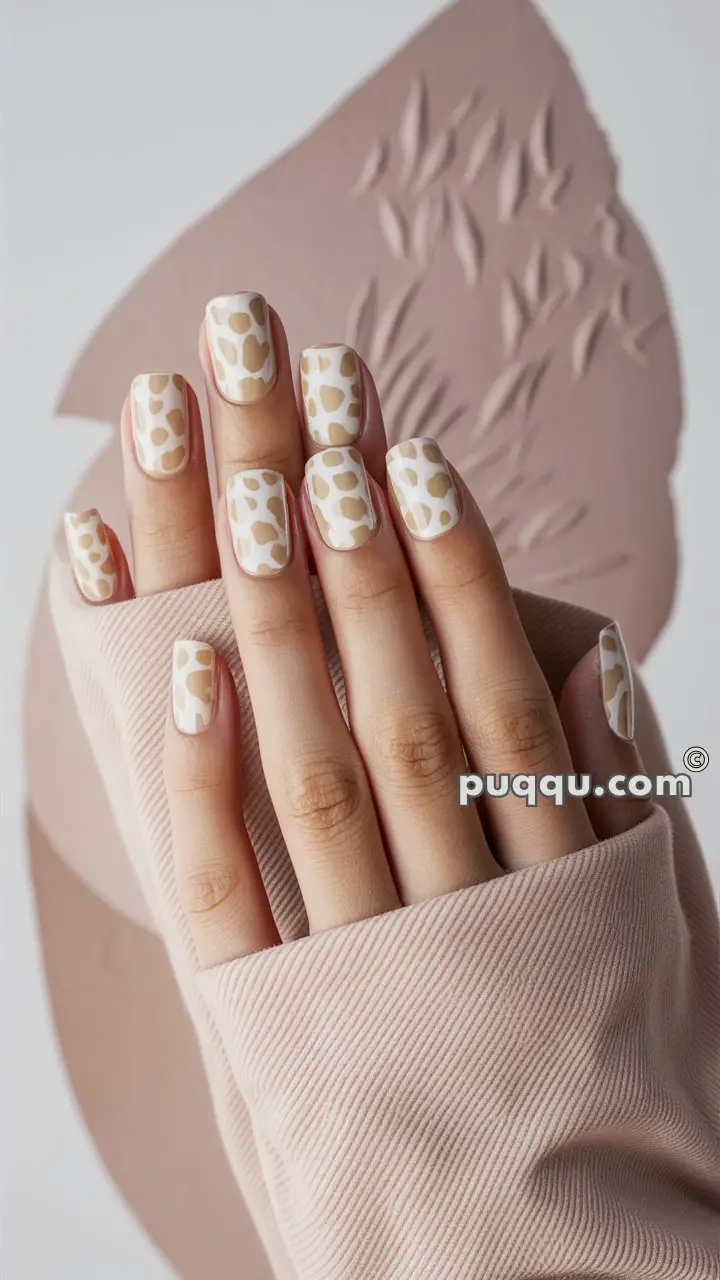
x=193, y=685
x=160, y=423
x=91, y=557
x=258, y=518
x=423, y=487
x=340, y=497
x=617, y=682
x=332, y=394
x=241, y=346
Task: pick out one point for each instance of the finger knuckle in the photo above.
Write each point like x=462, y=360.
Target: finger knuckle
x=276, y=629
x=469, y=573
x=194, y=774
x=171, y=540
x=368, y=587
x=518, y=731
x=418, y=747
x=204, y=889
x=325, y=798
x=266, y=450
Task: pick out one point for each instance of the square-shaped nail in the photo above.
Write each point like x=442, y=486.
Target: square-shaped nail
x=340, y=497
x=158, y=402
x=91, y=556
x=423, y=487
x=258, y=518
x=241, y=346
x=617, y=682
x=332, y=394
x=193, y=685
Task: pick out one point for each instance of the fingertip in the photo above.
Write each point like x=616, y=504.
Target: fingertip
x=339, y=406
x=99, y=565
x=597, y=749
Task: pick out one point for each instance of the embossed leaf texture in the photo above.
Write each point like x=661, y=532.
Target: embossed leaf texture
x=437, y=159
x=554, y=190
x=467, y=239
x=535, y=277
x=393, y=224
x=513, y=315
x=374, y=167
x=428, y=226
x=512, y=187
x=414, y=129
x=485, y=147
x=466, y=107
x=541, y=141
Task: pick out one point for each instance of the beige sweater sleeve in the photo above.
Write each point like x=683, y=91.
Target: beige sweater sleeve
x=515, y=1082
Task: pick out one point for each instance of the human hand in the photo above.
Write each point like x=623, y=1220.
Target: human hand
x=369, y=808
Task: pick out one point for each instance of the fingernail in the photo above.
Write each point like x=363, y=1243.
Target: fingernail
x=332, y=394
x=423, y=487
x=91, y=557
x=193, y=685
x=258, y=516
x=340, y=498
x=617, y=683
x=160, y=423
x=241, y=346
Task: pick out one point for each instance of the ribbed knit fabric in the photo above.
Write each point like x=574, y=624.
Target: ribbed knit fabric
x=514, y=1082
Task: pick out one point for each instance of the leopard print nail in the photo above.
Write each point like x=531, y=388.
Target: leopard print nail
x=193, y=685
x=91, y=557
x=257, y=512
x=332, y=394
x=423, y=487
x=617, y=682
x=241, y=346
x=160, y=423
x=340, y=498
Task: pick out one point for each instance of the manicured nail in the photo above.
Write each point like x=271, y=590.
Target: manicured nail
x=193, y=686
x=423, y=487
x=91, y=557
x=340, y=498
x=617, y=682
x=241, y=346
x=332, y=394
x=258, y=515
x=160, y=423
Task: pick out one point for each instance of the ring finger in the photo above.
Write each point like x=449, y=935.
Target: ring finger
x=507, y=716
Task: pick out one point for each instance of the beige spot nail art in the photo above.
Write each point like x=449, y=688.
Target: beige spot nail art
x=423, y=487
x=193, y=685
x=241, y=346
x=258, y=516
x=332, y=394
x=617, y=682
x=158, y=403
x=91, y=557
x=340, y=497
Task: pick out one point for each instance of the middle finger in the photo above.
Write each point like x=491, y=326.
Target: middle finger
x=400, y=716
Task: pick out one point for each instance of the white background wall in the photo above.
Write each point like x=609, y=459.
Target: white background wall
x=92, y=98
